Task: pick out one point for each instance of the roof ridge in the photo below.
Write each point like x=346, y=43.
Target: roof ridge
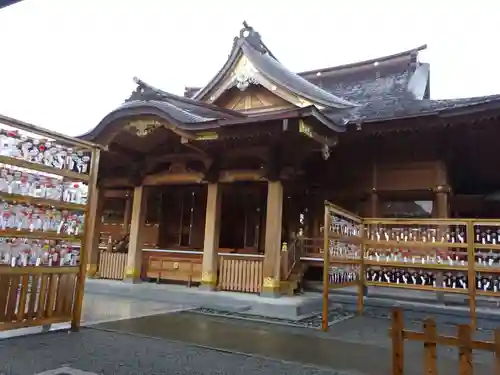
x=186, y=100
x=365, y=62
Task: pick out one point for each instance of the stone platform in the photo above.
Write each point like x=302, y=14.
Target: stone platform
x=297, y=307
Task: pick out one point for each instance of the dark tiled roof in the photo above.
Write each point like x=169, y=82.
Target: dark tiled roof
x=250, y=44
x=6, y=3
x=179, y=110
x=146, y=93
x=383, y=77
x=393, y=108
x=277, y=73
x=368, y=88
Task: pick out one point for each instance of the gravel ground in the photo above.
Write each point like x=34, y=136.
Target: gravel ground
x=123, y=354
x=313, y=321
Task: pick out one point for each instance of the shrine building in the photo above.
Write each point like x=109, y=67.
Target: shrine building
x=214, y=187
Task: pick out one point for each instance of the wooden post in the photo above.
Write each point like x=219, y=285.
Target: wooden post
x=471, y=272
x=497, y=350
x=134, y=259
x=272, y=255
x=85, y=251
x=397, y=335
x=93, y=236
x=465, y=350
x=127, y=215
x=374, y=204
x=326, y=267
x=211, y=242
x=362, y=290
x=441, y=212
x=430, y=347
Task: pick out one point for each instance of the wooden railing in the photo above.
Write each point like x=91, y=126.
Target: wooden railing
x=33, y=296
x=290, y=255
x=241, y=273
x=112, y=265
x=431, y=339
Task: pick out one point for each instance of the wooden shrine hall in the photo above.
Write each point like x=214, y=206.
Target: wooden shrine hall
x=215, y=187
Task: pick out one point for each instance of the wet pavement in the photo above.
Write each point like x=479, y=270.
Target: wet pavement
x=100, y=308
x=124, y=336
x=357, y=346
x=108, y=353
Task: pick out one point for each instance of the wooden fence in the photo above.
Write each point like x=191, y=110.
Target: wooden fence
x=241, y=273
x=112, y=265
x=431, y=339
x=32, y=296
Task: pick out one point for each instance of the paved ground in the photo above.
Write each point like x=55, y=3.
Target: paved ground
x=107, y=353
x=356, y=346
x=125, y=338
x=104, y=308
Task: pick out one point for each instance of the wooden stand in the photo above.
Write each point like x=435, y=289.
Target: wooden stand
x=42, y=295
x=416, y=246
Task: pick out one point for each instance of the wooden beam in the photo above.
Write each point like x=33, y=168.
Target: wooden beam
x=241, y=175
x=167, y=178
x=117, y=193
x=119, y=182
x=307, y=130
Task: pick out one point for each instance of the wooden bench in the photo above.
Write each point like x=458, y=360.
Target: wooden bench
x=178, y=269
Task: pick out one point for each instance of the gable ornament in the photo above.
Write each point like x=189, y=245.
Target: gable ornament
x=142, y=128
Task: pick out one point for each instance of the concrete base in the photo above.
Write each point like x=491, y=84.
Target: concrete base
x=270, y=294
x=301, y=306
x=207, y=288
x=132, y=281
x=293, y=308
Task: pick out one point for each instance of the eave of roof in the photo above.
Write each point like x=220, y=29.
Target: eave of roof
x=387, y=110
x=175, y=109
x=6, y=3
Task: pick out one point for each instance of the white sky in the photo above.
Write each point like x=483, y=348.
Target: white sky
x=64, y=64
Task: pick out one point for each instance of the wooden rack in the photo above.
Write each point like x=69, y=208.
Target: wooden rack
x=345, y=267
x=35, y=295
x=430, y=250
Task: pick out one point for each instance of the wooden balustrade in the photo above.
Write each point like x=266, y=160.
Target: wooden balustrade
x=240, y=273
x=33, y=296
x=112, y=265
x=464, y=341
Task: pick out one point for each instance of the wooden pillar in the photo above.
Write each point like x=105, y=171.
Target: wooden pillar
x=211, y=241
x=374, y=204
x=93, y=236
x=272, y=256
x=440, y=211
x=127, y=214
x=441, y=202
x=134, y=260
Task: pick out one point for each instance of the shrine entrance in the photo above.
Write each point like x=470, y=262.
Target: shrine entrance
x=243, y=213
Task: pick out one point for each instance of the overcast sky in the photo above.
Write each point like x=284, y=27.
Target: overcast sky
x=64, y=64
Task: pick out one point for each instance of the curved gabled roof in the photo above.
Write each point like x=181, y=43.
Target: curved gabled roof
x=177, y=110
x=250, y=45
x=384, y=77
